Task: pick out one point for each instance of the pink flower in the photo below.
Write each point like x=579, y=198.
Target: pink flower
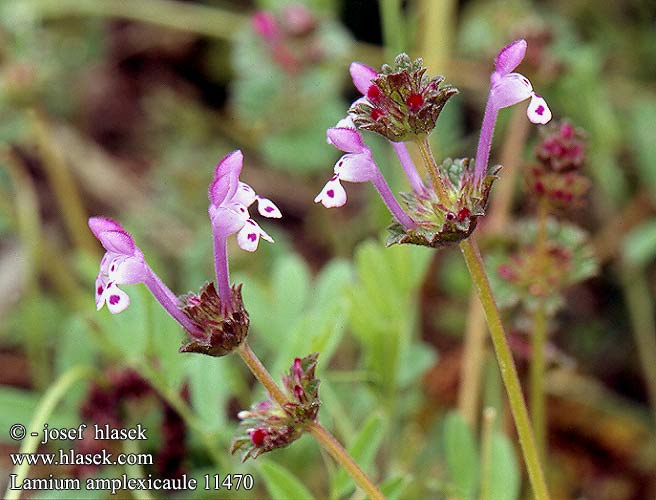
x=357, y=165
x=510, y=88
x=124, y=264
x=506, y=89
x=229, y=202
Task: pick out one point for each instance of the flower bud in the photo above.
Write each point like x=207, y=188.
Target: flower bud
x=402, y=103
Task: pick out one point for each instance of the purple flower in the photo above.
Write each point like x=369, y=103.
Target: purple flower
x=506, y=89
x=357, y=165
x=229, y=202
x=510, y=88
x=124, y=264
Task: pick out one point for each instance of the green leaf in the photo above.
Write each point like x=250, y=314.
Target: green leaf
x=639, y=247
x=417, y=359
x=282, y=484
x=504, y=473
x=18, y=406
x=363, y=450
x=209, y=387
x=461, y=455
x=642, y=137
x=394, y=487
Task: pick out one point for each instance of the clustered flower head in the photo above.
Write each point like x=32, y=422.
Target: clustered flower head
x=402, y=104
x=267, y=426
x=215, y=318
x=556, y=177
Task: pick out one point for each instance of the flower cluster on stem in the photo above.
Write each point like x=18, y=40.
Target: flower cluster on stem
x=214, y=319
x=402, y=104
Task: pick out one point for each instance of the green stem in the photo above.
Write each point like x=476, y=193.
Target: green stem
x=337, y=451
x=507, y=367
x=489, y=416
x=439, y=184
x=393, y=26
x=190, y=17
x=539, y=340
x=435, y=34
x=472, y=362
x=29, y=228
x=635, y=286
x=536, y=379
x=47, y=405
x=500, y=206
x=325, y=439
x=63, y=186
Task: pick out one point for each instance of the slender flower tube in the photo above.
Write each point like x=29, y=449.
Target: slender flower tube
x=229, y=202
x=362, y=76
x=506, y=89
x=357, y=165
x=124, y=264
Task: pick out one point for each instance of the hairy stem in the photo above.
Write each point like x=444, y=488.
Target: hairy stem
x=326, y=440
x=337, y=451
x=433, y=170
x=507, y=367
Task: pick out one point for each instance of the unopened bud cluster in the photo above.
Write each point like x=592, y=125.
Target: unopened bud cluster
x=402, y=103
x=267, y=426
x=561, y=155
x=225, y=325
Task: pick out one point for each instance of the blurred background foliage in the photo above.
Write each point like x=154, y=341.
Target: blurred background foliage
x=122, y=108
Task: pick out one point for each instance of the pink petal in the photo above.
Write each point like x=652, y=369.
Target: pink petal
x=511, y=89
x=127, y=270
x=267, y=208
x=362, y=76
x=538, y=111
x=230, y=167
x=332, y=195
x=345, y=139
x=218, y=191
x=510, y=57
x=225, y=221
x=101, y=224
x=265, y=25
x=356, y=167
x=118, y=242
